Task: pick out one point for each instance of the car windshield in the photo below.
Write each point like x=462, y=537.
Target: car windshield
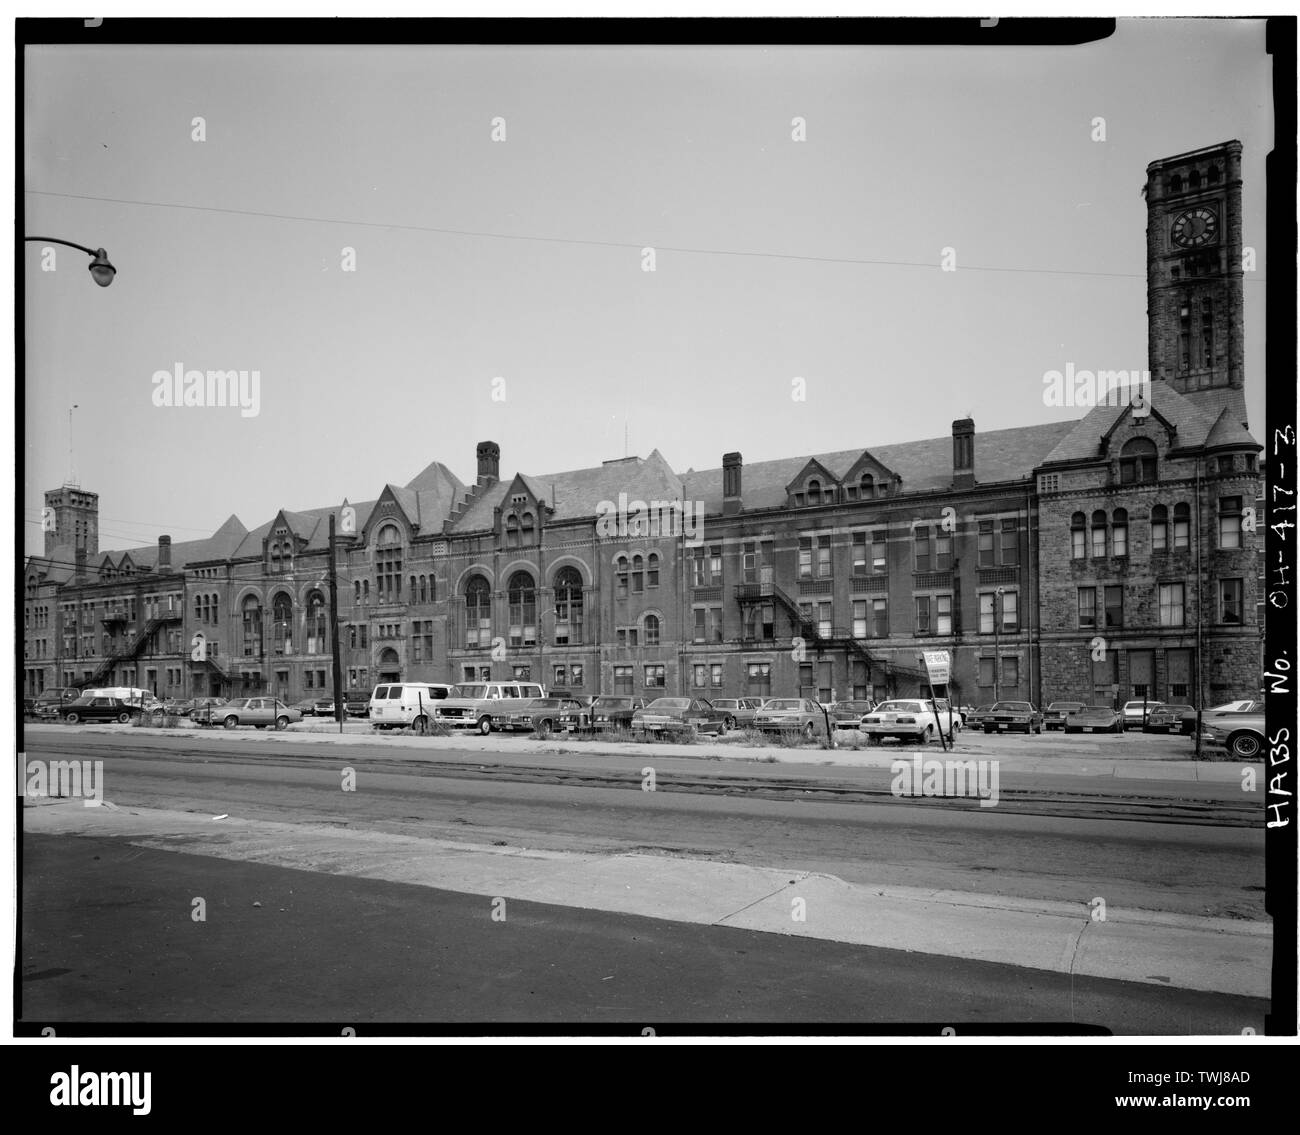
x=669, y=703
x=613, y=703
x=900, y=707
x=727, y=703
x=1098, y=709
x=860, y=706
x=1068, y=705
x=780, y=704
x=1013, y=706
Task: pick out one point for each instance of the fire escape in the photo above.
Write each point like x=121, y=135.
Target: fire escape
x=132, y=648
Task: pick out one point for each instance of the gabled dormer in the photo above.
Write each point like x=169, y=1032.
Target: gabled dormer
x=394, y=506
x=285, y=539
x=813, y=485
x=868, y=479
x=107, y=570
x=521, y=515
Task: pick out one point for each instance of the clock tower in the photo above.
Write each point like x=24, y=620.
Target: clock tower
x=1195, y=338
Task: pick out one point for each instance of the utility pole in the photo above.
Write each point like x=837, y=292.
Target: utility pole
x=339, y=708
x=997, y=645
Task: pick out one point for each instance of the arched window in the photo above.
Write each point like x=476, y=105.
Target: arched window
x=1159, y=529
x=651, y=634
x=252, y=622
x=867, y=486
x=1078, y=536
x=1176, y=183
x=317, y=626
x=652, y=570
x=620, y=575
x=521, y=596
x=1194, y=179
x=638, y=575
x=1182, y=526
x=1098, y=534
x=814, y=491
x=388, y=565
x=1137, y=461
x=1119, y=532
x=1212, y=175
x=512, y=531
x=478, y=612
x=282, y=624
x=198, y=609
x=412, y=592
x=527, y=529
x=568, y=607
x=275, y=558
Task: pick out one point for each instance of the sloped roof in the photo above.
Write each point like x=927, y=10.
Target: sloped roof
x=1000, y=455
x=1192, y=419
x=1228, y=431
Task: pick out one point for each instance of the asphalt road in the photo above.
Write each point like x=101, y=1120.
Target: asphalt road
x=106, y=938
x=840, y=821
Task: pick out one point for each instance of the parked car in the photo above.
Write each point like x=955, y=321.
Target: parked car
x=258, y=712
x=201, y=714
x=911, y=719
x=307, y=707
x=1240, y=732
x=577, y=714
x=1167, y=719
x=614, y=711
x=1006, y=716
x=357, y=703
x=1055, y=714
x=323, y=707
x=1135, y=712
x=740, y=711
x=178, y=707
x=476, y=705
x=98, y=708
x=788, y=716
x=1187, y=724
x=974, y=718
x=48, y=701
x=1095, y=719
x=849, y=714
x=402, y=705
x=679, y=716
x=537, y=715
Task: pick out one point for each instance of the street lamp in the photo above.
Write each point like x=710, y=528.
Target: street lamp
x=997, y=635
x=101, y=270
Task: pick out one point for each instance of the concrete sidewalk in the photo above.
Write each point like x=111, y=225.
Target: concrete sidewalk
x=1082, y=757
x=1208, y=954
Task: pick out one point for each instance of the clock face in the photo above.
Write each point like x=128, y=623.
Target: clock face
x=1196, y=227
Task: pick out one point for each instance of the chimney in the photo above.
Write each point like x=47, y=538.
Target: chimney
x=164, y=553
x=489, y=462
x=732, y=463
x=79, y=575
x=963, y=453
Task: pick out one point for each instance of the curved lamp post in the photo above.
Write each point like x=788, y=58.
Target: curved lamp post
x=100, y=269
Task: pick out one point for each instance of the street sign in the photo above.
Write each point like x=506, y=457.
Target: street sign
x=938, y=664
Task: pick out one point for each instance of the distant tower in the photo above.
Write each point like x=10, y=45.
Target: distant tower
x=76, y=519
x=1195, y=338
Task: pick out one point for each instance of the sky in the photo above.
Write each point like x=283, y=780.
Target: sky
x=499, y=289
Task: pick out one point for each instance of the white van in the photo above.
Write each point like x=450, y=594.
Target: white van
x=400, y=705
x=478, y=704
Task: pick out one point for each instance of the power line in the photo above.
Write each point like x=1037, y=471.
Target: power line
x=587, y=242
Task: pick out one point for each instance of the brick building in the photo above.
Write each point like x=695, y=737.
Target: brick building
x=1015, y=549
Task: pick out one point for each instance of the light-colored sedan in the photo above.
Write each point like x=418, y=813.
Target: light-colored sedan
x=911, y=720
x=258, y=712
x=740, y=711
x=1135, y=713
x=788, y=716
x=1241, y=733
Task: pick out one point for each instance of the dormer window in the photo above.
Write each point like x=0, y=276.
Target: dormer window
x=1176, y=183
x=1137, y=461
x=512, y=531
x=814, y=491
x=867, y=486
x=527, y=527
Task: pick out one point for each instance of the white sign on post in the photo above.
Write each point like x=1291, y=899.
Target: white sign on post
x=938, y=665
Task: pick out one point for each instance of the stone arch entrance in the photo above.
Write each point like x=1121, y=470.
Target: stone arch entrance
x=390, y=667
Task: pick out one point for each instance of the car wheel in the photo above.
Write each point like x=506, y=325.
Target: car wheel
x=282, y=723
x=72, y=718
x=872, y=739
x=420, y=726
x=808, y=731
x=928, y=735
x=1244, y=746
x=123, y=718
x=231, y=721
x=546, y=727
x=484, y=726
x=730, y=723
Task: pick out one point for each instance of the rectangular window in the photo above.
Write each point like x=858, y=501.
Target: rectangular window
x=805, y=557
x=922, y=614
x=1098, y=539
x=859, y=618
x=1171, y=604
x=714, y=625
x=758, y=678
x=986, y=672
x=1115, y=605
x=1159, y=536
x=1010, y=671
x=1078, y=548
x=1182, y=527
x=859, y=553
x=986, y=612
x=1010, y=611
x=1010, y=542
x=1230, y=601
x=943, y=614
x=715, y=675
x=1119, y=538
x=622, y=679
x=879, y=560
x=715, y=565
x=577, y=675
x=1230, y=522
x=699, y=675
x=986, y=543
x=823, y=557
x=806, y=678
x=921, y=549
x=880, y=618
x=365, y=633
x=701, y=616
x=654, y=677
x=942, y=551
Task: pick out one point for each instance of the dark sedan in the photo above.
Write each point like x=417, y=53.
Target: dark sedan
x=1167, y=719
x=1095, y=719
x=99, y=709
x=849, y=714
x=614, y=711
x=1055, y=714
x=1006, y=716
x=679, y=717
